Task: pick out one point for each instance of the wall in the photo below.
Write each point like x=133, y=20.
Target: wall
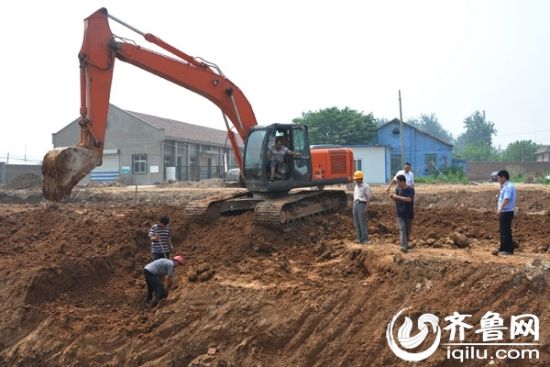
x=10, y=171
x=133, y=136
x=416, y=145
x=373, y=162
x=481, y=171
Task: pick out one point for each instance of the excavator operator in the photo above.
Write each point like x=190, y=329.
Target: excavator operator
x=276, y=155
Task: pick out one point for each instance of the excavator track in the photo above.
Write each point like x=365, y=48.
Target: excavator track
x=286, y=211
x=212, y=207
x=280, y=212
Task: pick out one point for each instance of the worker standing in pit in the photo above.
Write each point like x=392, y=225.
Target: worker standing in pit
x=409, y=177
x=505, y=210
x=361, y=196
x=161, y=240
x=154, y=274
x=404, y=204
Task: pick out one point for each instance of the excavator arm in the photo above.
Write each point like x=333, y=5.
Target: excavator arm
x=63, y=168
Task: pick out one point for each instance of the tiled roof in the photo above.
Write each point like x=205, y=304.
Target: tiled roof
x=184, y=131
x=543, y=149
x=397, y=121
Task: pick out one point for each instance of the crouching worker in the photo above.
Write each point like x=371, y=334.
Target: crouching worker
x=154, y=274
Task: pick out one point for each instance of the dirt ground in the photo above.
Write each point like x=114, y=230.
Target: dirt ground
x=72, y=290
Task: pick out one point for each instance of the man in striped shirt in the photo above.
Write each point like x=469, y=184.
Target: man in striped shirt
x=161, y=241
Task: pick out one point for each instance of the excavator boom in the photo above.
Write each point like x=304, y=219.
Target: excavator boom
x=63, y=168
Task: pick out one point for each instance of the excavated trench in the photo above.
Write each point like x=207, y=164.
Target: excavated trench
x=73, y=291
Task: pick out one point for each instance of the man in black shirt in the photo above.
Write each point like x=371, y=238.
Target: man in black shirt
x=404, y=198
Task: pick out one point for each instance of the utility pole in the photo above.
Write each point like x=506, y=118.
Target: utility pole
x=401, y=129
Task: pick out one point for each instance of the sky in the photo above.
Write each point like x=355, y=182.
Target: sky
x=449, y=58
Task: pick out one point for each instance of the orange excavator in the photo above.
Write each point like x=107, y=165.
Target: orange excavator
x=269, y=195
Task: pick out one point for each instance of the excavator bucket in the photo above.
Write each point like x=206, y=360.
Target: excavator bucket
x=63, y=168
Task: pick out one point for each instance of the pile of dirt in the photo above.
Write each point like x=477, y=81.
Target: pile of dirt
x=25, y=181
x=73, y=289
x=96, y=184
x=533, y=199
x=210, y=182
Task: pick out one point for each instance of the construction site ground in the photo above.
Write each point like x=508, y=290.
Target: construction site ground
x=73, y=292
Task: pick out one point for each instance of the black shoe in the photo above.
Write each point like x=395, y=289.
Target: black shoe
x=404, y=250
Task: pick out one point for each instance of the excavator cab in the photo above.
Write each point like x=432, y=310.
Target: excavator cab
x=293, y=171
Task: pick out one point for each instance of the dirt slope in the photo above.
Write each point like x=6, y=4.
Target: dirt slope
x=73, y=285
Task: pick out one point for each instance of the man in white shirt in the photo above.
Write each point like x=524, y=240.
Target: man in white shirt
x=361, y=196
x=409, y=176
x=276, y=156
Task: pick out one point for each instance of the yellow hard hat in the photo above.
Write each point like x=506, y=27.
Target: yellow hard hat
x=358, y=175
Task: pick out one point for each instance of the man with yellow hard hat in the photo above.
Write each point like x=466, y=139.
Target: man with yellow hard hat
x=361, y=196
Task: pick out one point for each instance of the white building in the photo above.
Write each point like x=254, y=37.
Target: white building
x=373, y=161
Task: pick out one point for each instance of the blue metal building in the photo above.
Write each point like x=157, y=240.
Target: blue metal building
x=426, y=153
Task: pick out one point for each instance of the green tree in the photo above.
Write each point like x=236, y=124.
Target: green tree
x=338, y=126
x=474, y=152
x=430, y=124
x=520, y=151
x=476, y=142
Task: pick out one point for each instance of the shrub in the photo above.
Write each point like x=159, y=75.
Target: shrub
x=453, y=175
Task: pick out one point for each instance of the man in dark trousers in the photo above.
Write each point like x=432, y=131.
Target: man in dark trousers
x=154, y=274
x=505, y=209
x=161, y=241
x=404, y=198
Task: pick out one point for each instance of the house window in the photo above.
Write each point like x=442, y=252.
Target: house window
x=395, y=132
x=430, y=162
x=357, y=165
x=396, y=163
x=139, y=163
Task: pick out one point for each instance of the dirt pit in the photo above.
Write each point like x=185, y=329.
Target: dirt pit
x=73, y=290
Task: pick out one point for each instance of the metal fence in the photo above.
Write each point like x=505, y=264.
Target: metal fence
x=197, y=173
